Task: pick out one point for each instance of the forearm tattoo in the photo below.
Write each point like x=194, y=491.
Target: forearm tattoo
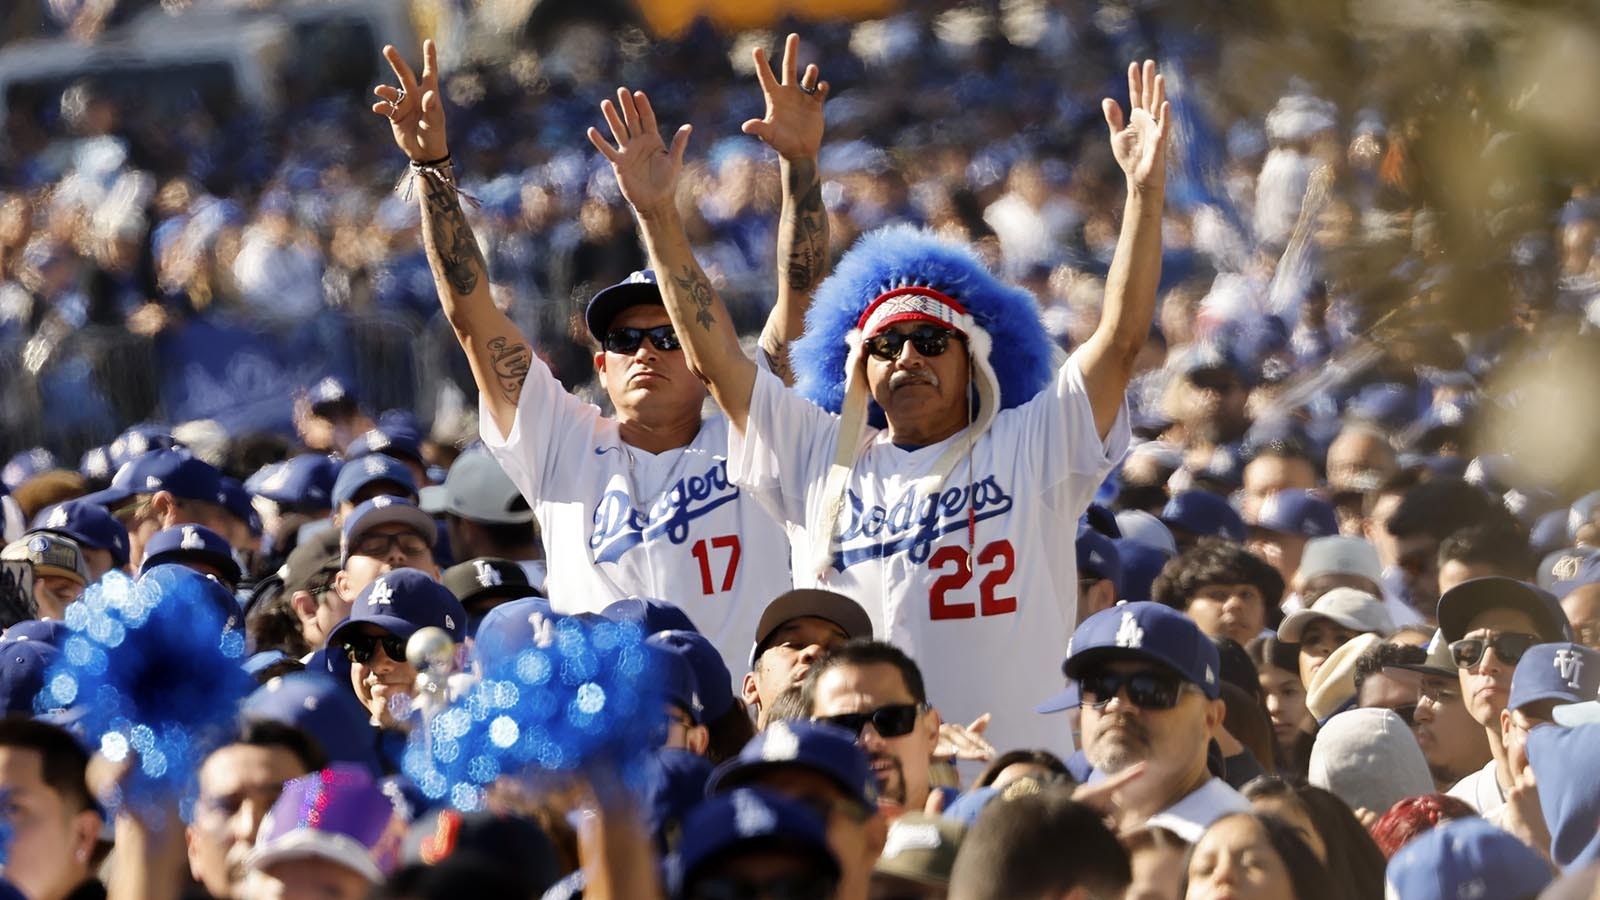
x=808, y=240
x=509, y=360
x=459, y=259
x=694, y=284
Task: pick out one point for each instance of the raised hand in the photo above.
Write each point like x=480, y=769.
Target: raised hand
x=793, y=124
x=1139, y=142
x=414, y=109
x=646, y=170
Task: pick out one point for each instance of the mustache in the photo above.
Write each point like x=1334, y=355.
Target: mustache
x=902, y=377
x=1132, y=727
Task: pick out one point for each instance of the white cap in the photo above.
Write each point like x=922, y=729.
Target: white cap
x=1356, y=610
x=1341, y=555
x=479, y=490
x=1141, y=527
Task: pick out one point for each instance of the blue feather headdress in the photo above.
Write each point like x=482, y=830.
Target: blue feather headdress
x=902, y=273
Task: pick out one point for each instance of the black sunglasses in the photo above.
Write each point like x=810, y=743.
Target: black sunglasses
x=1509, y=646
x=360, y=647
x=802, y=886
x=1146, y=689
x=929, y=341
x=627, y=340
x=890, y=721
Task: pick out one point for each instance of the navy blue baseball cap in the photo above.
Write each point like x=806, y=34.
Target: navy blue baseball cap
x=174, y=471
x=330, y=391
x=638, y=289
x=1387, y=404
x=1212, y=355
x=23, y=667
x=95, y=465
x=1297, y=511
x=1562, y=760
x=396, y=440
x=88, y=524
x=1466, y=858
x=238, y=504
x=25, y=465
x=138, y=440
x=1571, y=569
x=713, y=681
x=1098, y=558
x=1461, y=603
x=370, y=469
x=1204, y=514
x=676, y=683
x=303, y=482
x=191, y=543
x=652, y=615
x=323, y=708
x=45, y=631
x=1141, y=563
x=1139, y=631
x=383, y=510
x=825, y=749
x=403, y=602
x=750, y=819
x=1563, y=672
x=510, y=628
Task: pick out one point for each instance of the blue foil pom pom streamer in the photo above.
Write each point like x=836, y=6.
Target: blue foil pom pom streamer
x=585, y=698
x=150, y=673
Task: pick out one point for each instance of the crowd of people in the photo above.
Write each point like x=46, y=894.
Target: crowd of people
x=753, y=581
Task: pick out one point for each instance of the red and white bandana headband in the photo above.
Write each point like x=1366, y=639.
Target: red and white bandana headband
x=913, y=304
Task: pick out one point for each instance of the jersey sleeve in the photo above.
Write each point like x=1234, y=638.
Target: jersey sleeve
x=1057, y=441
x=786, y=447
x=551, y=430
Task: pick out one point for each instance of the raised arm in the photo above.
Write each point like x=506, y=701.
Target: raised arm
x=648, y=174
x=1139, y=143
x=496, y=350
x=793, y=127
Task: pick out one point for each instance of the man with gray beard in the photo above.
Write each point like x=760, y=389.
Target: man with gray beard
x=1146, y=680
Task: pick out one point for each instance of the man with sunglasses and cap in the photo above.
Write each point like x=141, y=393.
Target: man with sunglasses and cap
x=1488, y=624
x=1147, y=683
x=638, y=503
x=943, y=504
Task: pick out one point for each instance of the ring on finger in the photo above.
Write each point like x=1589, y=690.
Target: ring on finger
x=809, y=90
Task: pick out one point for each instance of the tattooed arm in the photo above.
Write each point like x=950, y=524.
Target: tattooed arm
x=648, y=174
x=496, y=350
x=793, y=127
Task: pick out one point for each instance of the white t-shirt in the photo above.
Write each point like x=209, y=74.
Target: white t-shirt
x=1193, y=814
x=987, y=638
x=618, y=521
x=1481, y=790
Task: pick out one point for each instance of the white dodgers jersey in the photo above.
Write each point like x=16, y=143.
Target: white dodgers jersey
x=618, y=521
x=978, y=583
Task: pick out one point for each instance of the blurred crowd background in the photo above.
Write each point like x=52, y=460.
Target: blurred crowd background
x=198, y=218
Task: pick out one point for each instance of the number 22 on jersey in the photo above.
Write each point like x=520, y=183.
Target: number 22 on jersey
x=997, y=560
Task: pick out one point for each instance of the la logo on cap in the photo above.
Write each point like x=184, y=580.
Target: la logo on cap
x=377, y=440
x=191, y=539
x=1129, y=634
x=781, y=743
x=382, y=594
x=58, y=518
x=152, y=482
x=488, y=576
x=751, y=817
x=1570, y=665
x=373, y=465
x=380, y=501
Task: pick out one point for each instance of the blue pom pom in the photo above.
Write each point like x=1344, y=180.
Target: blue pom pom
x=588, y=698
x=151, y=667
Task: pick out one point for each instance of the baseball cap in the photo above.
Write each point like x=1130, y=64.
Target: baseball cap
x=1138, y=525
x=1563, y=672
x=478, y=489
x=383, y=510
x=1209, y=355
x=920, y=849
x=651, y=614
x=23, y=667
x=236, y=500
x=825, y=749
x=403, y=602
x=49, y=554
x=753, y=819
x=638, y=289
x=1458, y=605
x=1465, y=858
x=1147, y=631
x=302, y=482
x=174, y=471
x=1353, y=609
x=138, y=440
x=510, y=628
x=186, y=543
x=1141, y=563
x=396, y=439
x=90, y=525
x=1439, y=661
x=1563, y=571
x=373, y=468
x=321, y=707
x=675, y=682
x=314, y=555
x=95, y=465
x=1388, y=404
x=508, y=839
x=1562, y=760
x=713, y=682
x=338, y=814
x=1205, y=514
x=1098, y=558
x=45, y=631
x=1296, y=512
x=486, y=578
x=1338, y=554
x=329, y=391
x=25, y=465
x=801, y=602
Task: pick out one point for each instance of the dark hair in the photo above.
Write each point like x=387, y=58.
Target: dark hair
x=1238, y=669
x=271, y=622
x=1042, y=758
x=62, y=762
x=1308, y=877
x=1246, y=718
x=863, y=652
x=729, y=733
x=269, y=733
x=1442, y=506
x=1039, y=844
x=1267, y=650
x=1373, y=660
x=1215, y=561
x=1354, y=860
x=1505, y=550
